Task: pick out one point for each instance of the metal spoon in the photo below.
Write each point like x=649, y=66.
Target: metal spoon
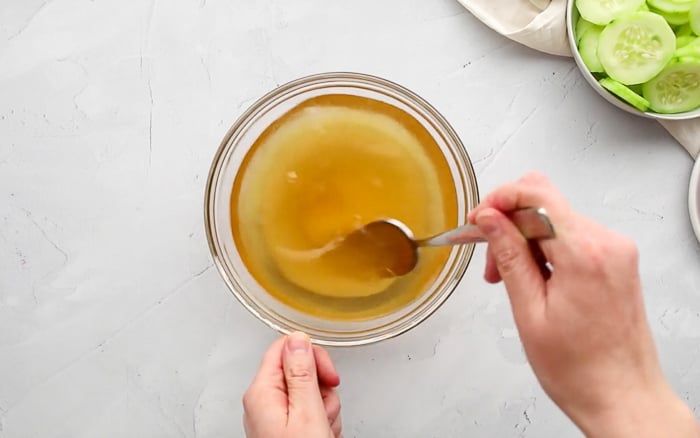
x=390, y=243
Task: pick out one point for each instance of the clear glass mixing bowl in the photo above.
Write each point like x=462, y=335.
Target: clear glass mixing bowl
x=225, y=166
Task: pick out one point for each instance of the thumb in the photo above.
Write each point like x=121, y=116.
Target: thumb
x=303, y=392
x=514, y=261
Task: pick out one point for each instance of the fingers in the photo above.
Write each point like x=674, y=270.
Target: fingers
x=331, y=401
x=534, y=190
x=337, y=427
x=491, y=271
x=514, y=262
x=299, y=365
x=294, y=387
x=540, y=259
x=270, y=371
x=327, y=374
x=266, y=398
x=492, y=276
x=271, y=365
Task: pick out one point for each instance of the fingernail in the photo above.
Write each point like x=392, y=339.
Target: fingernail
x=488, y=224
x=298, y=341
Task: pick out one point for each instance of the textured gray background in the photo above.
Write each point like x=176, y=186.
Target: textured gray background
x=113, y=322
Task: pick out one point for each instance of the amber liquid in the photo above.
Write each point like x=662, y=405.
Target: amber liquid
x=324, y=169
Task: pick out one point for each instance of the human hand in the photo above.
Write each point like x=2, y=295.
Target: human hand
x=293, y=395
x=583, y=325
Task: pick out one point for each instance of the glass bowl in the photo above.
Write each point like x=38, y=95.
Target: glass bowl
x=227, y=162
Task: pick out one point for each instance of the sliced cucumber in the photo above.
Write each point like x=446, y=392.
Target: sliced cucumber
x=682, y=41
x=676, y=89
x=695, y=17
x=686, y=59
x=582, y=25
x=690, y=49
x=674, y=18
x=588, y=48
x=671, y=6
x=684, y=30
x=635, y=48
x=625, y=94
x=631, y=49
x=602, y=12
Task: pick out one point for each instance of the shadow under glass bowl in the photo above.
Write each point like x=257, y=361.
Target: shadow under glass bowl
x=227, y=162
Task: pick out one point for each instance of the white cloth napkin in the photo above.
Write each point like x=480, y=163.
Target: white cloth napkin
x=541, y=25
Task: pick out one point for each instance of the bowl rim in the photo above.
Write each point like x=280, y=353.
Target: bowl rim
x=458, y=266
x=693, y=202
x=570, y=30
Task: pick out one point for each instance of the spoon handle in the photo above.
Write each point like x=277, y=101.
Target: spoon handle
x=532, y=222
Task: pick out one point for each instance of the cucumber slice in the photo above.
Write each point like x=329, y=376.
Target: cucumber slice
x=684, y=30
x=684, y=59
x=635, y=48
x=676, y=89
x=682, y=41
x=582, y=26
x=625, y=94
x=644, y=7
x=588, y=48
x=602, y=12
x=671, y=6
x=673, y=18
x=695, y=18
x=690, y=49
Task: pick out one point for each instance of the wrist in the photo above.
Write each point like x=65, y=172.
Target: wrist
x=653, y=411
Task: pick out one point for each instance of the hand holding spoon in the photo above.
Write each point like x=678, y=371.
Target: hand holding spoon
x=390, y=246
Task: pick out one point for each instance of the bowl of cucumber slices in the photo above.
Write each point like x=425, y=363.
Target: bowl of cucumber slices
x=643, y=56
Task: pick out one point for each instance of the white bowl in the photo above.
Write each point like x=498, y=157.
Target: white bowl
x=571, y=17
x=694, y=199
